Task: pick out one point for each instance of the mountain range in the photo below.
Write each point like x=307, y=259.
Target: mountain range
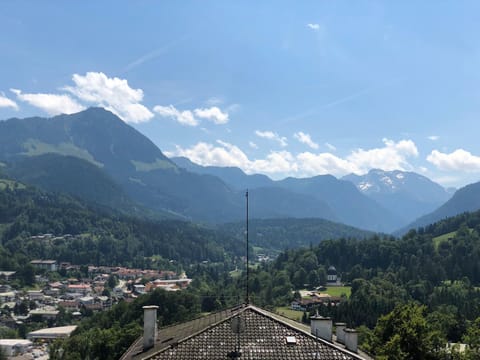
x=96, y=156
x=408, y=195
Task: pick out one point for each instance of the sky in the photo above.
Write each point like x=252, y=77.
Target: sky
x=283, y=88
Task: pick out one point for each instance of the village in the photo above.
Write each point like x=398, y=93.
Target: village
x=33, y=316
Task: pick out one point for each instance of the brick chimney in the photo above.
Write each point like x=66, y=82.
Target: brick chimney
x=321, y=327
x=351, y=340
x=340, y=333
x=149, y=326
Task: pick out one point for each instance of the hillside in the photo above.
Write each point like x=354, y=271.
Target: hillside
x=229, y=174
x=127, y=157
x=98, y=238
x=463, y=200
x=280, y=234
x=74, y=176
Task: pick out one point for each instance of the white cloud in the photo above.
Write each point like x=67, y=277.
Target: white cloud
x=458, y=160
x=324, y=163
x=114, y=94
x=330, y=147
x=270, y=135
x=314, y=27
x=53, y=104
x=280, y=164
x=252, y=145
x=393, y=156
x=213, y=114
x=276, y=162
x=305, y=139
x=210, y=155
x=226, y=154
x=191, y=117
x=6, y=102
x=433, y=137
x=183, y=117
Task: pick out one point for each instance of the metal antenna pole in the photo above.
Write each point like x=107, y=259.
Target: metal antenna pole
x=248, y=270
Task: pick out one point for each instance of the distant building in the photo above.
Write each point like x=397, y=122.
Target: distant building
x=7, y=296
x=14, y=347
x=49, y=265
x=7, y=275
x=52, y=333
x=35, y=295
x=79, y=288
x=139, y=288
x=47, y=313
x=332, y=276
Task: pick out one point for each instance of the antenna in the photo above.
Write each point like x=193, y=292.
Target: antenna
x=247, y=300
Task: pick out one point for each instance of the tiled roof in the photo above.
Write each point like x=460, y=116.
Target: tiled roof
x=264, y=336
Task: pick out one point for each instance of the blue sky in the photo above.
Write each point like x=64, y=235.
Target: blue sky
x=281, y=88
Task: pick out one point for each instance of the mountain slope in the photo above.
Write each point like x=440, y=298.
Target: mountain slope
x=343, y=200
x=127, y=156
x=231, y=175
x=75, y=176
x=351, y=207
x=138, y=167
x=406, y=194
x=464, y=199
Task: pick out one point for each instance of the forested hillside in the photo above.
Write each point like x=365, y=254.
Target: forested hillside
x=280, y=234
x=431, y=277
x=98, y=237
x=464, y=199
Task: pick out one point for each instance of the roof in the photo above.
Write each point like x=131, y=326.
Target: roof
x=52, y=333
x=45, y=262
x=331, y=270
x=7, y=273
x=15, y=342
x=264, y=336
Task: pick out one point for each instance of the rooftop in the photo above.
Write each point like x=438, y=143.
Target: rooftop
x=52, y=333
x=263, y=335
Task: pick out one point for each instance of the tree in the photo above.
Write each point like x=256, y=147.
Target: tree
x=472, y=338
x=405, y=334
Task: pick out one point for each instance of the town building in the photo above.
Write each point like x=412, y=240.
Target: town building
x=51, y=333
x=49, y=265
x=7, y=275
x=14, y=347
x=332, y=276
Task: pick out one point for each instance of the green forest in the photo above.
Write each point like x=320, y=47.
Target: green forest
x=100, y=237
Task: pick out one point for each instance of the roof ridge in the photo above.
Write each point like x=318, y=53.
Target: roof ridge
x=274, y=317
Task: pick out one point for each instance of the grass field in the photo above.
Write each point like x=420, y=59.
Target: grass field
x=289, y=313
x=331, y=290
x=339, y=290
x=439, y=239
x=9, y=184
x=235, y=273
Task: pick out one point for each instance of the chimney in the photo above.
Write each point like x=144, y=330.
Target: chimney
x=149, y=326
x=321, y=327
x=340, y=333
x=351, y=339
